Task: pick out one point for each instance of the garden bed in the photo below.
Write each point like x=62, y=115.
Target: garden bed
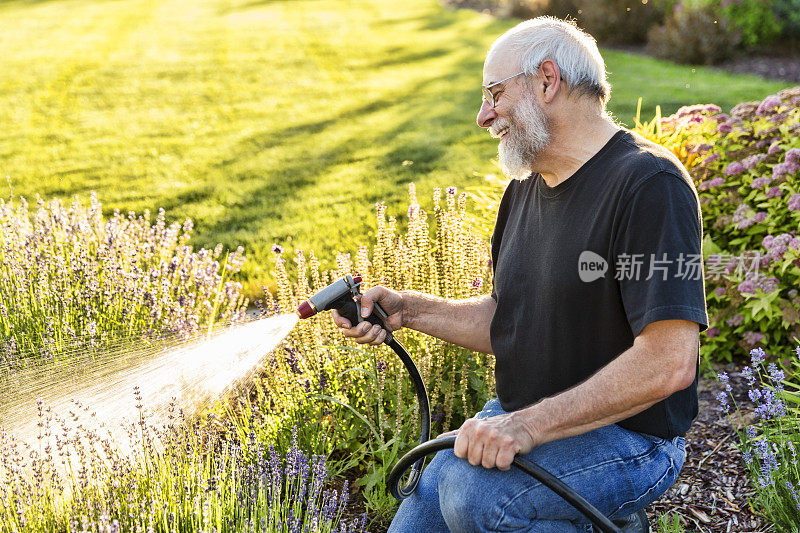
x=711, y=494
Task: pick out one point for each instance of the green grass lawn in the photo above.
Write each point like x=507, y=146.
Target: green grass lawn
x=269, y=120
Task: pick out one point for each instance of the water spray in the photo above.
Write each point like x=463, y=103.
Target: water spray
x=344, y=295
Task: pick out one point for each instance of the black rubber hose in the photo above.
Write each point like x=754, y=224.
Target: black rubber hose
x=424, y=422
x=416, y=457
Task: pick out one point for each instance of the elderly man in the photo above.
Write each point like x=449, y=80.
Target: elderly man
x=596, y=310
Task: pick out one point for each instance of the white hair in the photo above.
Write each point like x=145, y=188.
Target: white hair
x=573, y=50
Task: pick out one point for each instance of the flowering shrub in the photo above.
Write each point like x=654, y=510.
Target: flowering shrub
x=749, y=189
x=180, y=476
x=70, y=279
x=770, y=446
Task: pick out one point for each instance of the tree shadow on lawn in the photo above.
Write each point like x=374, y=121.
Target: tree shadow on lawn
x=424, y=137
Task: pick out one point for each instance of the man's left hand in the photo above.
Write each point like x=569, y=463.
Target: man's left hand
x=492, y=442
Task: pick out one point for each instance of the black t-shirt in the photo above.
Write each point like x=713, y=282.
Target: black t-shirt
x=559, y=316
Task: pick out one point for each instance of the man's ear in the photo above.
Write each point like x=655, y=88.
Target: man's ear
x=549, y=79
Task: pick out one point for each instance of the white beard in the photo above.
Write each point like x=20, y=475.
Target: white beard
x=528, y=134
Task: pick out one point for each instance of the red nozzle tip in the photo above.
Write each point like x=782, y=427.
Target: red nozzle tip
x=305, y=310
x=357, y=279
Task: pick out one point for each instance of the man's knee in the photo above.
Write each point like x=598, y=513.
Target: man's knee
x=467, y=497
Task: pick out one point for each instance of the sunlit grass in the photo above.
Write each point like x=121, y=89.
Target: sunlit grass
x=267, y=120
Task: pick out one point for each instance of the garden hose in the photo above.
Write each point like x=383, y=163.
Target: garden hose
x=344, y=296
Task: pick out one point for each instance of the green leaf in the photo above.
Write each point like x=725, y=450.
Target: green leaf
x=348, y=406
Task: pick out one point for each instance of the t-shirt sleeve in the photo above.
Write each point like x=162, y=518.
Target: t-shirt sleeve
x=658, y=256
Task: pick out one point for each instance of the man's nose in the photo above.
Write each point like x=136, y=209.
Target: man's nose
x=486, y=115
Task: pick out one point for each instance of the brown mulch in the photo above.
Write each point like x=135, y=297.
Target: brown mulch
x=711, y=494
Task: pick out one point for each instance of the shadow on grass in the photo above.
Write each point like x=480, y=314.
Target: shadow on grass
x=431, y=125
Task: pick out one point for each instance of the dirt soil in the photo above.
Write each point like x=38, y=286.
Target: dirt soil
x=711, y=494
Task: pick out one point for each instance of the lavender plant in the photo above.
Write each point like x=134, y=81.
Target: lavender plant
x=72, y=279
x=181, y=475
x=770, y=445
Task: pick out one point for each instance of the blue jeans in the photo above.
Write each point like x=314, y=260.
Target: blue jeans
x=616, y=470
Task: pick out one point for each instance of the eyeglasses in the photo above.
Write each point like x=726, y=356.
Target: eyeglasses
x=487, y=94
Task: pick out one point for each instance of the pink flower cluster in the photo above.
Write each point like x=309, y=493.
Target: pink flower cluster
x=768, y=105
x=716, y=182
x=777, y=245
x=794, y=202
x=750, y=162
x=744, y=216
x=752, y=337
x=784, y=169
x=761, y=182
x=735, y=320
x=733, y=168
x=775, y=148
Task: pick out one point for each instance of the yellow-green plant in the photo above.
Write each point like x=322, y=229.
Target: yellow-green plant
x=686, y=133
x=361, y=394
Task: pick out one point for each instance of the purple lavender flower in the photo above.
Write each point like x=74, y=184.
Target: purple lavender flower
x=769, y=405
x=776, y=375
x=277, y=249
x=795, y=494
x=722, y=398
x=476, y=283
x=754, y=395
x=451, y=190
x=749, y=375
x=757, y=356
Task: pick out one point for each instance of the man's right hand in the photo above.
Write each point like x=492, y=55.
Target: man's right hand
x=365, y=332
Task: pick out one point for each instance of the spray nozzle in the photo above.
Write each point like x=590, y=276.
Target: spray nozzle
x=343, y=295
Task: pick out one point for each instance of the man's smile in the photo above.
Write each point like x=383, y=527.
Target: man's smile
x=499, y=133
